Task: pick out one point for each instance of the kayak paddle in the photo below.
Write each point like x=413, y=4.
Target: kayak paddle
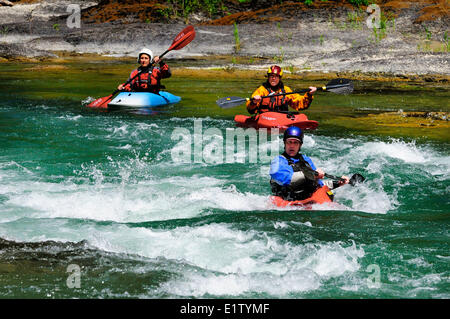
x=338, y=86
x=355, y=179
x=180, y=41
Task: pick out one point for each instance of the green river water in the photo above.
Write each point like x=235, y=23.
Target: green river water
x=100, y=195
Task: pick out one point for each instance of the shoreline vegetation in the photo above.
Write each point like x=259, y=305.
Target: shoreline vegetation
x=304, y=36
x=228, y=66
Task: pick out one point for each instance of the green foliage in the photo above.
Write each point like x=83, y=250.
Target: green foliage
x=381, y=33
x=428, y=33
x=355, y=19
x=308, y=2
x=446, y=46
x=428, y=45
x=356, y=3
x=291, y=68
x=280, y=31
x=279, y=58
x=237, y=42
x=321, y=39
x=165, y=12
x=56, y=26
x=359, y=2
x=4, y=30
x=185, y=7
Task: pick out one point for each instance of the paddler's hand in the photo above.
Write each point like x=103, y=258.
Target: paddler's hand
x=344, y=180
x=156, y=59
x=320, y=173
x=256, y=100
x=120, y=87
x=312, y=89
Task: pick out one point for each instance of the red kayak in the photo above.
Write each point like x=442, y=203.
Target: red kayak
x=278, y=120
x=320, y=196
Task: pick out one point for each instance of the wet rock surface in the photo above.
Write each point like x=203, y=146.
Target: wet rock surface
x=318, y=39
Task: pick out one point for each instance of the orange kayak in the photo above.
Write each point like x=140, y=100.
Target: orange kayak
x=320, y=196
x=281, y=121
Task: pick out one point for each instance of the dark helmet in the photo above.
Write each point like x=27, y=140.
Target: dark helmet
x=293, y=132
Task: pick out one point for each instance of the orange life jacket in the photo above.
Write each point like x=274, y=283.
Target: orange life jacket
x=276, y=103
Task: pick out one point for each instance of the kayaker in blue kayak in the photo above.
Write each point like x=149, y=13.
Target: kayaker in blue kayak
x=294, y=176
x=147, y=77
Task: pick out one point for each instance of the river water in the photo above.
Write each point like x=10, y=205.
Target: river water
x=99, y=205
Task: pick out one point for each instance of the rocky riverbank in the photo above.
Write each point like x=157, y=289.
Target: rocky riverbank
x=322, y=38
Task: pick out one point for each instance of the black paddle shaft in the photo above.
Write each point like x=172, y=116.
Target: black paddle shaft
x=355, y=179
x=127, y=82
x=338, y=86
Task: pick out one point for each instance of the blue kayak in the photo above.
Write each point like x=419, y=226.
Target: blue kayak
x=143, y=99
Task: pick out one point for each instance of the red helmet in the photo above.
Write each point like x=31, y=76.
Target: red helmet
x=275, y=69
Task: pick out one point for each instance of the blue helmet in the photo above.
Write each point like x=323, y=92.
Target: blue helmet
x=293, y=132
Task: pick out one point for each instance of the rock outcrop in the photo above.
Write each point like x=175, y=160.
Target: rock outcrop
x=331, y=36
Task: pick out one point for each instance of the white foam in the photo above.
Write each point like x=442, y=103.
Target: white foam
x=153, y=199
x=380, y=159
x=407, y=152
x=294, y=269
x=88, y=100
x=333, y=260
x=124, y=147
x=198, y=285
x=420, y=262
x=118, y=131
x=368, y=197
x=232, y=261
x=71, y=117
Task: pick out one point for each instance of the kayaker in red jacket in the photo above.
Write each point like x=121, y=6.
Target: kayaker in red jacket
x=274, y=85
x=149, y=78
x=294, y=176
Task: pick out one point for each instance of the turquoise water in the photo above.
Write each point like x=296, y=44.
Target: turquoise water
x=106, y=192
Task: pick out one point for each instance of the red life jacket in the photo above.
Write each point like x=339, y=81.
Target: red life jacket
x=148, y=80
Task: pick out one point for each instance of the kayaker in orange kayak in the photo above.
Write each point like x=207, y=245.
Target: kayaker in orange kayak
x=294, y=176
x=274, y=85
x=149, y=78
